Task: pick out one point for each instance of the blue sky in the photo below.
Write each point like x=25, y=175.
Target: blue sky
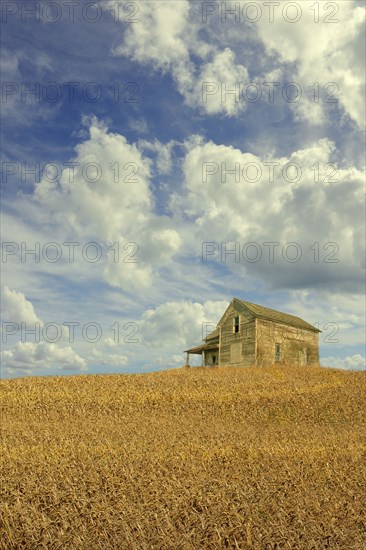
x=159, y=146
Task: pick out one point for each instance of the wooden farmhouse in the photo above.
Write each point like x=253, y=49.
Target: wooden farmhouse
x=252, y=335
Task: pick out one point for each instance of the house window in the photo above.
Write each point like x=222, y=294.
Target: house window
x=278, y=352
x=236, y=324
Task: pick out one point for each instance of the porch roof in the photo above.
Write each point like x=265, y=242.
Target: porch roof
x=203, y=347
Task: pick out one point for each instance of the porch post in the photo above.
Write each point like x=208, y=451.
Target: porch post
x=203, y=358
x=187, y=360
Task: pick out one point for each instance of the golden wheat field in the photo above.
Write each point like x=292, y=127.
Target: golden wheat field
x=251, y=458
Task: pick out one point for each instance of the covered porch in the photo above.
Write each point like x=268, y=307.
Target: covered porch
x=209, y=353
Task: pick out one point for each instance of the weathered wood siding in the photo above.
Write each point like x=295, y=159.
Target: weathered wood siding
x=298, y=346
x=237, y=348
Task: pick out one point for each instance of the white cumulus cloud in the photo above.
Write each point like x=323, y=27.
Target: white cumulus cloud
x=237, y=197
x=106, y=198
x=354, y=362
x=325, y=47
x=17, y=309
x=167, y=39
x=175, y=325
x=304, y=46
x=28, y=356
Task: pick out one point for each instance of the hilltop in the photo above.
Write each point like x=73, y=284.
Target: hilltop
x=251, y=458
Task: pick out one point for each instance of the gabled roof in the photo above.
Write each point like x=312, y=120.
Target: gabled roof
x=263, y=313
x=277, y=316
x=259, y=312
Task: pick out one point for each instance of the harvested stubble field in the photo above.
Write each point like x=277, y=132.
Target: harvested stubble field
x=259, y=458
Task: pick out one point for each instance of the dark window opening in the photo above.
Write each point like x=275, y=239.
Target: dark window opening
x=236, y=324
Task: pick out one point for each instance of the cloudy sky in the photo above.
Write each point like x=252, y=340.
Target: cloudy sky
x=160, y=158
